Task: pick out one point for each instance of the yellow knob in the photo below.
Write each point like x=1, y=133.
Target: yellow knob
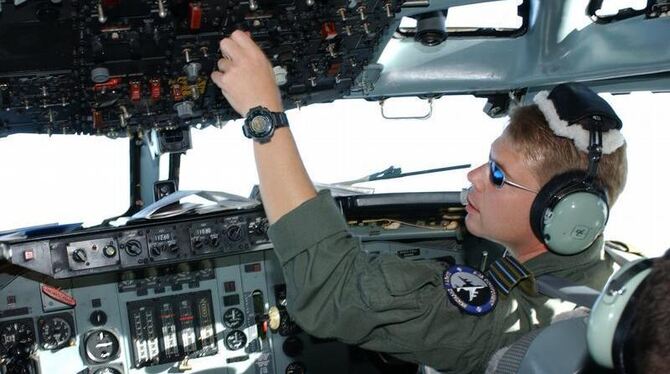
x=274, y=318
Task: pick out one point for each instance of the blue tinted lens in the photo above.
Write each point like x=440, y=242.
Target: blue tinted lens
x=496, y=173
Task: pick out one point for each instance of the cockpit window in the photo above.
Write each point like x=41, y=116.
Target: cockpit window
x=62, y=179
x=606, y=11
x=349, y=139
x=612, y=7
x=640, y=216
x=501, y=18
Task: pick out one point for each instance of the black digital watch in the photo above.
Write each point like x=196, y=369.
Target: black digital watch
x=261, y=123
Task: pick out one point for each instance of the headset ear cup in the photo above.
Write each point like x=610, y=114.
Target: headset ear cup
x=544, y=198
x=567, y=215
x=609, y=330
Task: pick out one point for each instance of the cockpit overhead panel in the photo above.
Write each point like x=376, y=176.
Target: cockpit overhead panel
x=114, y=67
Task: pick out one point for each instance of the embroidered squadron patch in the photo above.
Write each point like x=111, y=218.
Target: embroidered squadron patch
x=469, y=290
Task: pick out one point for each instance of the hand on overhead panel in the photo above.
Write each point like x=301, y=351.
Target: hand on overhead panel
x=245, y=75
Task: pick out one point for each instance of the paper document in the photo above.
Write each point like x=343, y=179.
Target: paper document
x=193, y=201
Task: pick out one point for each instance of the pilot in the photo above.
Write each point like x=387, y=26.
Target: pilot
x=452, y=318
x=651, y=321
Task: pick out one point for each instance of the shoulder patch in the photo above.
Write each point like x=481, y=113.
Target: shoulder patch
x=469, y=290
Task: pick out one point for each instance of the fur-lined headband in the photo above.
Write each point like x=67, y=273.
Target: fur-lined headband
x=572, y=109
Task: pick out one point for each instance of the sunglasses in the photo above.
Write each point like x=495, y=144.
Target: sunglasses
x=498, y=178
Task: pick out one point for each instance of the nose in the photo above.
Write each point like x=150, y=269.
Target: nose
x=477, y=175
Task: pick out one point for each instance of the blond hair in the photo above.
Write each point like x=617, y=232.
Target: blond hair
x=548, y=155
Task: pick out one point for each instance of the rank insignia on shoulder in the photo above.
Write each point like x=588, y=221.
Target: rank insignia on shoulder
x=469, y=290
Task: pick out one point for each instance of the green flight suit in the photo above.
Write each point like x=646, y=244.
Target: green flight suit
x=388, y=304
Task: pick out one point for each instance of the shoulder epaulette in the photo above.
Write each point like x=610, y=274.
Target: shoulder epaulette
x=506, y=273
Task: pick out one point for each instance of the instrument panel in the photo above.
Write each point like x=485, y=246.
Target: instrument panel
x=193, y=294
x=120, y=67
x=216, y=316
x=145, y=244
x=210, y=316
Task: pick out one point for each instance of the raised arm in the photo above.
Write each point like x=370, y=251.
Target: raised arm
x=246, y=79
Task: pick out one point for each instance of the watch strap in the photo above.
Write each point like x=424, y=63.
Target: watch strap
x=279, y=119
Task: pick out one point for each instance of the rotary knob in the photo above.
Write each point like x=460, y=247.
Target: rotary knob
x=79, y=255
x=263, y=227
x=274, y=318
x=133, y=248
x=156, y=250
x=98, y=318
x=109, y=251
x=292, y=346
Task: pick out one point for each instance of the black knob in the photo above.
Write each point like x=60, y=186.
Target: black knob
x=262, y=227
x=133, y=248
x=173, y=247
x=292, y=346
x=156, y=250
x=98, y=318
x=295, y=368
x=79, y=255
x=215, y=241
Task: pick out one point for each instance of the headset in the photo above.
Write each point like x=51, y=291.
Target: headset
x=570, y=212
x=608, y=333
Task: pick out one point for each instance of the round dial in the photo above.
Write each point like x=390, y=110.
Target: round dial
x=15, y=333
x=55, y=332
x=235, y=340
x=233, y=318
x=234, y=233
x=260, y=125
x=101, y=346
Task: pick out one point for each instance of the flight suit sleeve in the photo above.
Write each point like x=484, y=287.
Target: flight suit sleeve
x=382, y=303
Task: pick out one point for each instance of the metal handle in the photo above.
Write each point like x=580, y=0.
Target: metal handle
x=425, y=116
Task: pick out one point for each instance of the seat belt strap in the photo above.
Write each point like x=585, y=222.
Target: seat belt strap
x=560, y=288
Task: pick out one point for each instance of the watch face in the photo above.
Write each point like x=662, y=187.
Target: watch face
x=260, y=125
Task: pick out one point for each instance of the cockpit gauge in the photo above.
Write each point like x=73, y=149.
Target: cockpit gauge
x=235, y=340
x=16, y=333
x=233, y=318
x=101, y=346
x=55, y=331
